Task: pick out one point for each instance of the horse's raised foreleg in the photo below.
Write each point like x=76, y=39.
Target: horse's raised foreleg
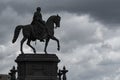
x=22, y=41
x=28, y=43
x=58, y=44
x=46, y=44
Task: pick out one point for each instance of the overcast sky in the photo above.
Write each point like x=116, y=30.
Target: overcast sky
x=89, y=35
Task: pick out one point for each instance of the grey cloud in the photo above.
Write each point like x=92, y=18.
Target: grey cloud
x=92, y=64
x=89, y=66
x=106, y=11
x=7, y=57
x=9, y=19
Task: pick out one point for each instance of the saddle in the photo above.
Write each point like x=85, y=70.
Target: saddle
x=38, y=32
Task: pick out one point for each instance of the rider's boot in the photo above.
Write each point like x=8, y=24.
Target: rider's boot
x=42, y=40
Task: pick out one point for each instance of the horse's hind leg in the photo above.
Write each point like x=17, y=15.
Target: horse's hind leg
x=46, y=44
x=21, y=47
x=28, y=43
x=58, y=44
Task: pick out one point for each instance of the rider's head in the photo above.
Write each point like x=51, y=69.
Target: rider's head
x=38, y=9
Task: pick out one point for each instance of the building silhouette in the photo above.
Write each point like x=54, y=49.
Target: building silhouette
x=4, y=77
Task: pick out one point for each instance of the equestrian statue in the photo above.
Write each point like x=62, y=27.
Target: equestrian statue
x=38, y=30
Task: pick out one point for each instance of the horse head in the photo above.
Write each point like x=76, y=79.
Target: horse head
x=57, y=20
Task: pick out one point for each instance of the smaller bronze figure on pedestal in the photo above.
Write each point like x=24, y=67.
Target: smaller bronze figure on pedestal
x=59, y=74
x=64, y=71
x=13, y=73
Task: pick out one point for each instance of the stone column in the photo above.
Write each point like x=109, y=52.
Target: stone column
x=37, y=66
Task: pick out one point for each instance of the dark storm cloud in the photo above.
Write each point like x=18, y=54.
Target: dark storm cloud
x=107, y=11
x=104, y=10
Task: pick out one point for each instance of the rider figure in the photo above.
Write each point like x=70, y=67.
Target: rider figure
x=39, y=24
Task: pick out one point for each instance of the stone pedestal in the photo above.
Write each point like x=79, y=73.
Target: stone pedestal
x=37, y=66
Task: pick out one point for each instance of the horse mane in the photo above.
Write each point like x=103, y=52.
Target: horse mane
x=51, y=17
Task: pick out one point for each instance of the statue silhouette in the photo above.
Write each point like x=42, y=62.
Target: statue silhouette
x=64, y=71
x=13, y=73
x=39, y=24
x=33, y=33
x=59, y=74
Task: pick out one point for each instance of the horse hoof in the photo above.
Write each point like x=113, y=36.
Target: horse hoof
x=58, y=49
x=46, y=53
x=34, y=52
x=22, y=52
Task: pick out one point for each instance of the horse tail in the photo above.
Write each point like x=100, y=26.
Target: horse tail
x=16, y=33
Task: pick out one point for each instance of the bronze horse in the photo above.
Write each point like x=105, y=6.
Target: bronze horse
x=28, y=34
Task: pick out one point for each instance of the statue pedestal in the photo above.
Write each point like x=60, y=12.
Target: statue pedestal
x=37, y=66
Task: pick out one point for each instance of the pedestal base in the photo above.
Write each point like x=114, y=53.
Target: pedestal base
x=37, y=66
